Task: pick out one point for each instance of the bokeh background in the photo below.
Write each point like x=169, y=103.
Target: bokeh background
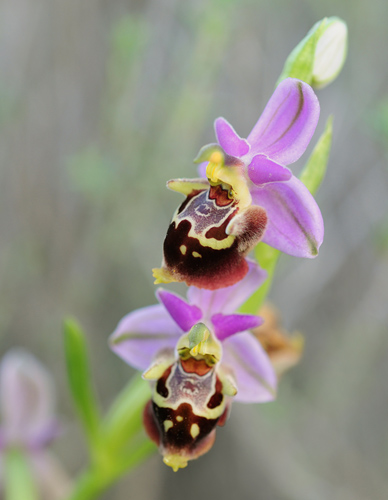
x=102, y=101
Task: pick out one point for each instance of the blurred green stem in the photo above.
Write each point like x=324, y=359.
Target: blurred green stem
x=124, y=419
x=267, y=257
x=121, y=443
x=105, y=472
x=18, y=479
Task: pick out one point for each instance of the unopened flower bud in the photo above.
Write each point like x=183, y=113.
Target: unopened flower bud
x=319, y=57
x=330, y=52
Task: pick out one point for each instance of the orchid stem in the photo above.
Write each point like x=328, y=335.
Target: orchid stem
x=105, y=472
x=120, y=444
x=124, y=418
x=19, y=483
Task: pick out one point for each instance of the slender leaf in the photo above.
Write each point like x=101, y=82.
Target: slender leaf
x=79, y=377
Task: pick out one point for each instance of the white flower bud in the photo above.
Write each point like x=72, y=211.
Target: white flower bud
x=330, y=52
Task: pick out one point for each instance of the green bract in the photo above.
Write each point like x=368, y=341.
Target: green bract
x=313, y=173
x=319, y=57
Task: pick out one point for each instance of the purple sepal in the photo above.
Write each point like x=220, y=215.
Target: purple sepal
x=287, y=124
x=226, y=325
x=255, y=377
x=295, y=224
x=142, y=334
x=185, y=315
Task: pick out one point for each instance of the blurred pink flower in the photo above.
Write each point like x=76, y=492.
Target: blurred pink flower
x=27, y=403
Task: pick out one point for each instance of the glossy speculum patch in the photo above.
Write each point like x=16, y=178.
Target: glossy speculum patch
x=185, y=409
x=209, y=237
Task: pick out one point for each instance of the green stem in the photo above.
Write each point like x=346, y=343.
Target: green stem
x=124, y=419
x=19, y=481
x=267, y=257
x=105, y=472
x=121, y=443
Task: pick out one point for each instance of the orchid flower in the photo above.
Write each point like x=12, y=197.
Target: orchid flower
x=28, y=422
x=200, y=354
x=250, y=195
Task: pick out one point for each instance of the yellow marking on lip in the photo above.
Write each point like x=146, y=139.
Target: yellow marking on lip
x=183, y=249
x=194, y=430
x=212, y=242
x=167, y=425
x=163, y=275
x=196, y=254
x=176, y=462
x=157, y=369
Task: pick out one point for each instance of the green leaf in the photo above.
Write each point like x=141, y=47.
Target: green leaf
x=267, y=257
x=79, y=378
x=315, y=169
x=19, y=482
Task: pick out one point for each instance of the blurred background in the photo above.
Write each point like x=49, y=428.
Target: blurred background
x=101, y=102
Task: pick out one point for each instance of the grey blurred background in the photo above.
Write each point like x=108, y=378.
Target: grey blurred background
x=102, y=101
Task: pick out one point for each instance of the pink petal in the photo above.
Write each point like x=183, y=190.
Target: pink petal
x=262, y=170
x=184, y=315
x=229, y=140
x=27, y=397
x=226, y=325
x=288, y=122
